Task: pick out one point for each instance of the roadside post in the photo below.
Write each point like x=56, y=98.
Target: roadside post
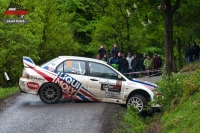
x=6, y=78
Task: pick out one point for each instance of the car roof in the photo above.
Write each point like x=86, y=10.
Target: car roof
x=82, y=58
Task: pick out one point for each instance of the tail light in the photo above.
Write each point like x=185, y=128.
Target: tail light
x=25, y=74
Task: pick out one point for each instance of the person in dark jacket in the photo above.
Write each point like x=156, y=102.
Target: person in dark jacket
x=196, y=54
x=159, y=61
x=101, y=51
x=105, y=58
x=192, y=53
x=135, y=65
x=142, y=67
x=114, y=62
x=115, y=50
x=119, y=56
x=187, y=53
x=155, y=61
x=123, y=64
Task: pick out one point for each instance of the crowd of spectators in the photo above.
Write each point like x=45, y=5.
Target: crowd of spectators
x=192, y=53
x=131, y=65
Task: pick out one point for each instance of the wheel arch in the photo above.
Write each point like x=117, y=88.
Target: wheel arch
x=48, y=83
x=140, y=92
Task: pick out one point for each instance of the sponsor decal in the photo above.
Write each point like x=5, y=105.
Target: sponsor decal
x=114, y=95
x=106, y=81
x=112, y=87
x=51, y=69
x=67, y=83
x=35, y=78
x=33, y=85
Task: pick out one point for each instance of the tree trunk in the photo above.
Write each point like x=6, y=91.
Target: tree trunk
x=169, y=10
x=168, y=41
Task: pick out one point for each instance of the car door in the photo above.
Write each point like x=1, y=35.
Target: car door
x=74, y=75
x=105, y=82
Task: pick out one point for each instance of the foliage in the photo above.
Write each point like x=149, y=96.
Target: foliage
x=133, y=123
x=178, y=87
x=192, y=66
x=47, y=36
x=184, y=118
x=4, y=92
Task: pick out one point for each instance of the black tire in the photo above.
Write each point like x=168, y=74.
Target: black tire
x=138, y=101
x=50, y=93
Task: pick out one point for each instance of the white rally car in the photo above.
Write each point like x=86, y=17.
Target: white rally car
x=86, y=79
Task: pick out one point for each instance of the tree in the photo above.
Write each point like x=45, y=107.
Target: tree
x=169, y=11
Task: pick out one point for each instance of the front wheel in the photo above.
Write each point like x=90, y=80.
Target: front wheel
x=50, y=93
x=137, y=101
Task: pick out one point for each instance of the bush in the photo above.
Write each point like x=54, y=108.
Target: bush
x=178, y=87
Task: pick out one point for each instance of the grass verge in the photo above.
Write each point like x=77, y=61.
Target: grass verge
x=4, y=92
x=180, y=112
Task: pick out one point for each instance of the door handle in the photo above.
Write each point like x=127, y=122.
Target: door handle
x=94, y=79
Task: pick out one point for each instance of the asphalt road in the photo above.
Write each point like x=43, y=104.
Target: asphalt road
x=25, y=113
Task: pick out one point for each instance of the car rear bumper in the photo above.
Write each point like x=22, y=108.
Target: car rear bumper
x=23, y=86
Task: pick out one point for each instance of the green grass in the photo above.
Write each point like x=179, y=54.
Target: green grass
x=180, y=112
x=192, y=66
x=132, y=123
x=184, y=118
x=4, y=92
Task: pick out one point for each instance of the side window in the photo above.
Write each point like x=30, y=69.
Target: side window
x=60, y=68
x=99, y=70
x=72, y=66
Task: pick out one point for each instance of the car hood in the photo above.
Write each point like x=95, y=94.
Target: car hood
x=146, y=84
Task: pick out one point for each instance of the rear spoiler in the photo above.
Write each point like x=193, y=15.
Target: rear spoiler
x=27, y=61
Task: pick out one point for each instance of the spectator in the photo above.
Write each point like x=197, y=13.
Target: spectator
x=98, y=56
x=187, y=53
x=114, y=62
x=135, y=65
x=196, y=47
x=115, y=50
x=155, y=64
x=148, y=63
x=101, y=51
x=123, y=64
x=119, y=58
x=191, y=54
x=142, y=67
x=129, y=59
x=105, y=58
x=159, y=62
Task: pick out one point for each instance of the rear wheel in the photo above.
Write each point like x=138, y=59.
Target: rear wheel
x=137, y=101
x=50, y=93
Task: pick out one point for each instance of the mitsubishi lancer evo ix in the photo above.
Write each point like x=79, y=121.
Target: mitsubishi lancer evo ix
x=85, y=79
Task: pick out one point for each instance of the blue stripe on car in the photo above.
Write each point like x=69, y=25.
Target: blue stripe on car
x=82, y=97
x=144, y=83
x=28, y=59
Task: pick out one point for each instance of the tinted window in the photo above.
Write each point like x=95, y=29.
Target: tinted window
x=72, y=66
x=99, y=70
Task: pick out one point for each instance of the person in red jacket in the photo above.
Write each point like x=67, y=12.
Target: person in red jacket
x=156, y=64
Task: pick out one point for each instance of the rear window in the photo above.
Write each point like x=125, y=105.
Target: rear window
x=48, y=62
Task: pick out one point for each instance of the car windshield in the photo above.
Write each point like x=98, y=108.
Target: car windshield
x=48, y=62
x=127, y=76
